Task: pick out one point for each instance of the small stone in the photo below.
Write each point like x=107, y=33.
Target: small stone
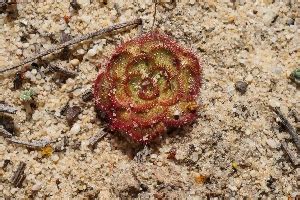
x=248, y=132
x=74, y=62
x=19, y=52
x=241, y=86
x=91, y=52
x=272, y=143
x=74, y=4
x=75, y=129
x=277, y=70
x=230, y=90
x=249, y=78
x=55, y=158
x=269, y=17
x=274, y=103
x=290, y=21
x=34, y=71
x=72, y=114
x=37, y=186
x=81, y=51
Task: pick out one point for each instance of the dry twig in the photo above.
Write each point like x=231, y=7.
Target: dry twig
x=74, y=41
x=96, y=138
x=19, y=175
x=288, y=126
x=7, y=109
x=293, y=159
x=292, y=132
x=33, y=145
x=63, y=71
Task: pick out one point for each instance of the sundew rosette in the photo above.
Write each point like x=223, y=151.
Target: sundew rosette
x=150, y=84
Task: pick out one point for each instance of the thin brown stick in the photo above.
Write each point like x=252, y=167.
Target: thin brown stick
x=288, y=126
x=74, y=41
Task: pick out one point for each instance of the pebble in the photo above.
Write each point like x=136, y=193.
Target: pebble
x=75, y=129
x=91, y=52
x=272, y=143
x=72, y=114
x=241, y=86
x=74, y=62
x=55, y=158
x=268, y=17
x=81, y=51
x=19, y=52
x=37, y=186
x=274, y=103
x=34, y=71
x=290, y=21
x=249, y=78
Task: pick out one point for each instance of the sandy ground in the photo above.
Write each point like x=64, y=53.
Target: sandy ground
x=232, y=150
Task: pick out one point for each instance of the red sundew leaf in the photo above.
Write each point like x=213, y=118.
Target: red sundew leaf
x=146, y=134
x=182, y=120
x=150, y=85
x=149, y=116
x=148, y=90
x=140, y=64
x=102, y=92
x=121, y=120
x=117, y=65
x=180, y=114
x=120, y=98
x=169, y=88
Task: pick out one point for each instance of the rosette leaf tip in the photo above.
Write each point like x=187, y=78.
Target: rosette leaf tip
x=150, y=84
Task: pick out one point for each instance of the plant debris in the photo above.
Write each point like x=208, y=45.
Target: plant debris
x=295, y=161
x=87, y=95
x=292, y=131
x=47, y=151
x=201, y=179
x=74, y=41
x=62, y=71
x=7, y=109
x=31, y=145
x=18, y=80
x=19, y=176
x=72, y=114
x=96, y=138
x=288, y=126
x=11, y=9
x=172, y=153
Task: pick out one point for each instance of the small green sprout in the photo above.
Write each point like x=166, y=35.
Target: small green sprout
x=27, y=95
x=295, y=76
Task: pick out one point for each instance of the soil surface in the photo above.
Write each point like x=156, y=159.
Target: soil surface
x=248, y=51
